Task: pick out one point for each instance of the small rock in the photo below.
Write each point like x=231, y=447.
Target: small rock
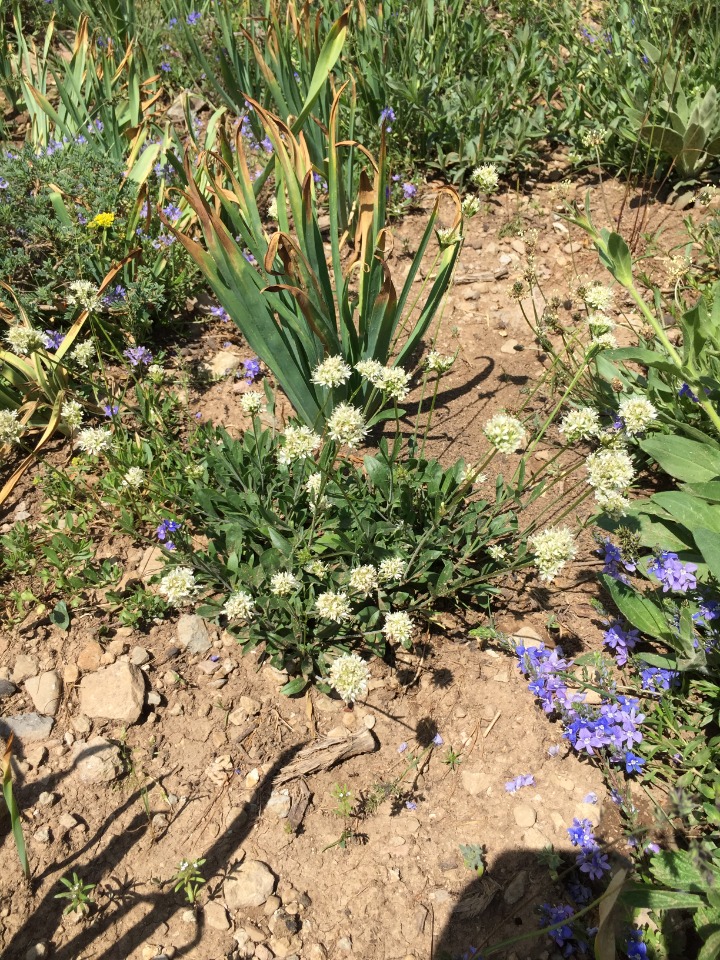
x=344, y=945
x=38, y=951
x=249, y=885
x=192, y=633
x=42, y=835
x=515, y=890
x=216, y=915
x=518, y=245
x=90, y=656
x=278, y=804
x=263, y=953
x=116, y=693
x=81, y=724
x=589, y=811
x=188, y=916
x=25, y=667
x=252, y=779
x=139, y=656
x=533, y=839
x=7, y=689
x=222, y=364
x=46, y=799
x=369, y=721
x=524, y=815
x=250, y=706
x=154, y=699
x=208, y=666
x=36, y=756
x=45, y=691
x=68, y=822
x=512, y=346
x=237, y=718
x=528, y=636
x=283, y=924
x=97, y=761
x=317, y=952
x=159, y=823
x=71, y=673
x=254, y=933
x=28, y=727
x=273, y=903
x=573, y=247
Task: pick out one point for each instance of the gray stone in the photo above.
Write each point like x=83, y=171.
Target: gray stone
x=222, y=364
x=28, y=727
x=116, y=693
x=192, y=633
x=278, y=804
x=81, y=724
x=216, y=915
x=42, y=835
x=524, y=815
x=46, y=799
x=45, y=691
x=283, y=924
x=154, y=698
x=515, y=890
x=139, y=656
x=250, y=706
x=24, y=667
x=7, y=688
x=528, y=636
x=68, y=822
x=249, y=885
x=38, y=951
x=97, y=761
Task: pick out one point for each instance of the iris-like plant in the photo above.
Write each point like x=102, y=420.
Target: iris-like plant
x=295, y=303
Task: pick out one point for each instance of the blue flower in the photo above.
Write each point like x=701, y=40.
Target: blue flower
x=387, y=116
x=138, y=356
x=685, y=391
x=672, y=573
x=111, y=409
x=402, y=748
x=166, y=527
x=409, y=190
x=221, y=313
x=635, y=948
x=620, y=641
x=633, y=763
x=523, y=780
x=581, y=834
x=593, y=863
x=251, y=369
x=192, y=18
x=171, y=22
x=438, y=740
x=165, y=67
x=3, y=183
x=563, y=936
x=172, y=211
x=53, y=339
x=411, y=805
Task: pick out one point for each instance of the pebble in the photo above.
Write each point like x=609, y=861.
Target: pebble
x=283, y=924
x=249, y=885
x=89, y=657
x=46, y=799
x=208, y=666
x=344, y=945
x=81, y=723
x=369, y=721
x=154, y=699
x=71, y=673
x=279, y=804
x=176, y=710
x=573, y=247
x=45, y=691
x=250, y=706
x=223, y=364
x=38, y=951
x=115, y=693
x=528, y=636
x=42, y=835
x=216, y=915
x=533, y=839
x=159, y=823
x=28, y=727
x=7, y=688
x=97, y=760
x=188, y=916
x=263, y=953
x=37, y=756
x=254, y=933
x=512, y=346
x=515, y=890
x=25, y=667
x=192, y=634
x=524, y=815
x=272, y=904
x=139, y=656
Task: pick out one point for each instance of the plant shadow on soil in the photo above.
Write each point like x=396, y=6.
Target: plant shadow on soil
x=157, y=907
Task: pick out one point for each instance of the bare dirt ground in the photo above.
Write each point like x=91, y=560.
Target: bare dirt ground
x=195, y=775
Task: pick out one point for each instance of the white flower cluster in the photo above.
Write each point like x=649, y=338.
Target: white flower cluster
x=470, y=206
x=392, y=568
x=505, y=433
x=72, y=413
x=592, y=139
x=599, y=324
x=598, y=297
x=239, y=606
x=299, y=443
x=156, y=373
x=394, y=381
x=604, y=341
x=332, y=372
x=84, y=294
x=553, y=548
x=580, y=424
x=83, y=353
x=333, y=606
x=485, y=177
x=610, y=473
x=346, y=424
x=439, y=363
x=93, y=440
x=349, y=675
x=10, y=427
x=399, y=628
x=178, y=586
x=636, y=413
x=471, y=473
x=313, y=485
x=284, y=583
x=251, y=403
x=448, y=236
x=24, y=340
x=316, y=568
x=498, y=553
x=364, y=579
x=134, y=478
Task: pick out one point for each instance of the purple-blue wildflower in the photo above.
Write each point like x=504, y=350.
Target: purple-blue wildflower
x=172, y=211
x=409, y=191
x=657, y=678
x=594, y=863
x=438, y=740
x=563, y=936
x=138, y=356
x=166, y=527
x=672, y=573
x=111, y=410
x=635, y=948
x=53, y=339
x=620, y=641
x=614, y=563
x=411, y=805
x=193, y=18
x=581, y=834
x=251, y=369
x=165, y=67
x=114, y=296
x=685, y=391
x=633, y=763
x=522, y=780
x=402, y=748
x=387, y=116
x=220, y=312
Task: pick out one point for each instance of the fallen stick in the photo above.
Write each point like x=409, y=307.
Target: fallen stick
x=325, y=753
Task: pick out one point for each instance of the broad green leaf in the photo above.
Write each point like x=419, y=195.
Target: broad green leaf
x=708, y=542
x=640, y=896
x=609, y=916
x=688, y=510
x=641, y=612
x=60, y=615
x=684, y=459
x=710, y=950
x=676, y=869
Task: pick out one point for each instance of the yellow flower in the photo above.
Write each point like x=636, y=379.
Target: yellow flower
x=102, y=220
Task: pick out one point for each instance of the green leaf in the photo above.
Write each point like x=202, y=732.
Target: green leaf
x=684, y=459
x=608, y=918
x=60, y=615
x=676, y=869
x=639, y=611
x=708, y=543
x=294, y=686
x=710, y=950
x=688, y=510
x=640, y=897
